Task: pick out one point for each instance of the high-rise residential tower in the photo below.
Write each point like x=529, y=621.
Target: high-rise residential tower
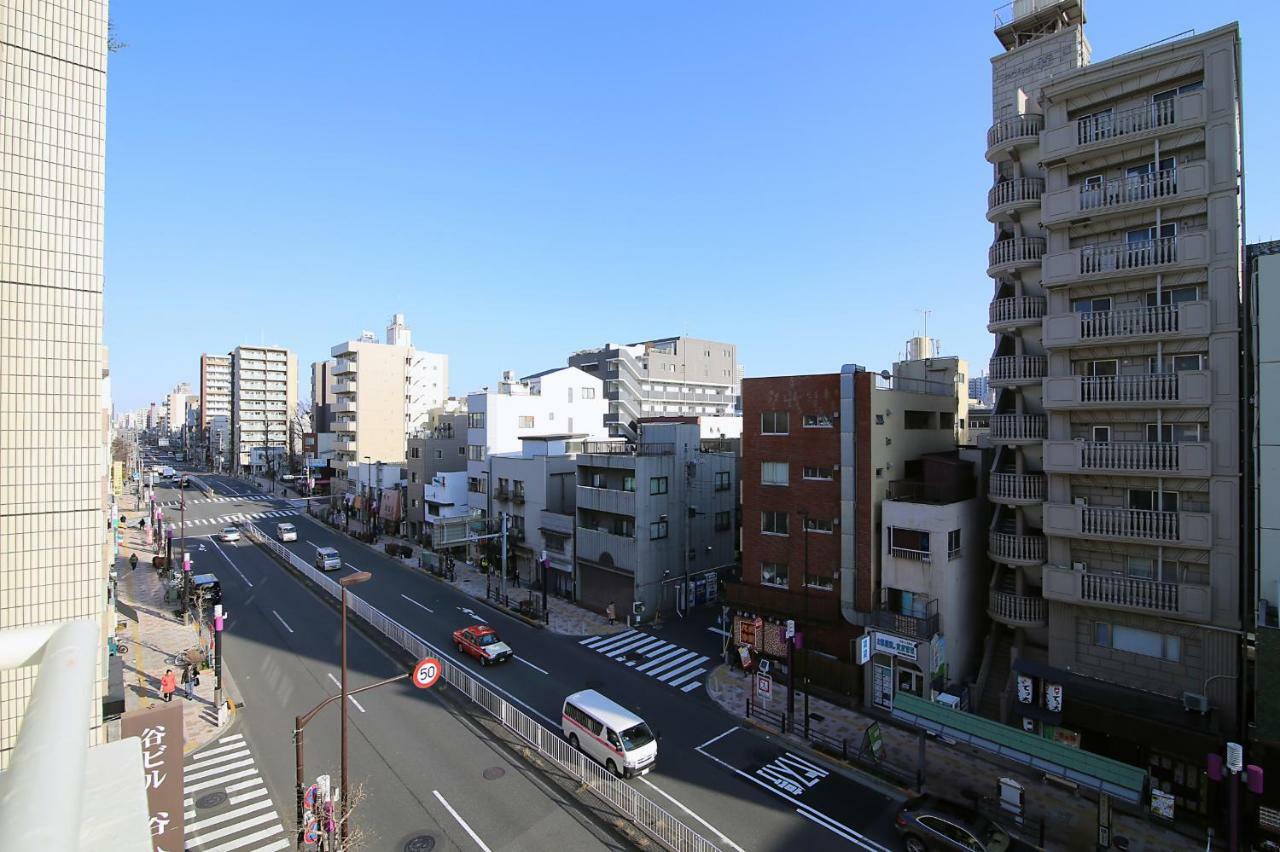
x=264, y=395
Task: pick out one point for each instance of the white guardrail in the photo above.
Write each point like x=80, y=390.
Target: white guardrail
x=641, y=811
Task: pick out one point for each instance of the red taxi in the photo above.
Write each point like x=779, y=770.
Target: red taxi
x=482, y=643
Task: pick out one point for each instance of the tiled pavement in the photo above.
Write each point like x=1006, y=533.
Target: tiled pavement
x=227, y=806
x=653, y=657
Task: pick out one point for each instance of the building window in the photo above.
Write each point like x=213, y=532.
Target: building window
x=822, y=473
x=774, y=473
x=879, y=419
x=817, y=421
x=554, y=543
x=774, y=523
x=946, y=419
x=657, y=530
x=657, y=485
x=774, y=423
x=415, y=453
x=597, y=480
x=587, y=393
x=1173, y=433
x=413, y=476
x=524, y=422
x=724, y=520
x=724, y=480
x=502, y=485
x=917, y=419
x=629, y=483
x=439, y=454
x=1153, y=501
x=462, y=451
x=819, y=581
x=953, y=544
x=475, y=485
x=773, y=574
x=475, y=419
x=1131, y=640
x=517, y=488
x=909, y=544
x=820, y=525
x=475, y=452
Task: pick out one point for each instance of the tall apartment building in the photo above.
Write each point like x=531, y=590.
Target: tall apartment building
x=52, y=499
x=178, y=403
x=1115, y=486
x=215, y=388
x=264, y=394
x=667, y=377
x=382, y=393
x=322, y=396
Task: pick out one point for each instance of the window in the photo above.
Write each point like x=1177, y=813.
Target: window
x=657, y=485
x=1150, y=568
x=517, y=488
x=946, y=420
x=629, y=483
x=475, y=419
x=475, y=485
x=879, y=419
x=1109, y=367
x=1089, y=306
x=817, y=421
x=1162, y=501
x=1101, y=434
x=438, y=454
x=774, y=523
x=724, y=520
x=774, y=473
x=1176, y=363
x=413, y=476
x=462, y=451
x=724, y=482
x=587, y=393
x=909, y=544
x=475, y=452
x=819, y=581
x=773, y=574
x=524, y=422
x=554, y=543
x=415, y=453
x=774, y=423
x=1173, y=296
x=953, y=544
x=819, y=525
x=1148, y=643
x=657, y=529
x=823, y=473
x=917, y=419
x=1173, y=433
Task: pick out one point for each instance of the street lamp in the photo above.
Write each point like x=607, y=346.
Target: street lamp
x=346, y=582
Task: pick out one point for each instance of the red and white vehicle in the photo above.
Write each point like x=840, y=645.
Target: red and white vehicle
x=482, y=643
x=610, y=733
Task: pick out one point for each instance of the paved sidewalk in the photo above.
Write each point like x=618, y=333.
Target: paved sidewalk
x=951, y=771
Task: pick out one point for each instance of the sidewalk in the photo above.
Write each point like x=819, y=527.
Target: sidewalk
x=1071, y=819
x=154, y=636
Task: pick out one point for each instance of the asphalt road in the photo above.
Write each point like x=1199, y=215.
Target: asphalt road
x=737, y=786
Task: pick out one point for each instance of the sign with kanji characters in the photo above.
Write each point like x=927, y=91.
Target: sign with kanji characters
x=160, y=732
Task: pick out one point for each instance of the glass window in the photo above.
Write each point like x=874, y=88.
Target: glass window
x=524, y=422
x=817, y=421
x=773, y=574
x=774, y=473
x=1166, y=501
x=588, y=393
x=475, y=452
x=819, y=581
x=774, y=423
x=1102, y=434
x=658, y=529
x=819, y=525
x=774, y=523
x=953, y=544
x=824, y=473
x=628, y=483
x=723, y=480
x=657, y=485
x=724, y=520
x=475, y=419
x=1173, y=296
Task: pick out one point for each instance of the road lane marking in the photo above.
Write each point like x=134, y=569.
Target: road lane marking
x=520, y=659
x=461, y=821
x=415, y=603
x=830, y=828
x=312, y=543
x=472, y=613
x=717, y=738
x=682, y=807
x=350, y=698
x=719, y=632
x=233, y=565
x=281, y=620
x=683, y=667
x=615, y=640
x=665, y=657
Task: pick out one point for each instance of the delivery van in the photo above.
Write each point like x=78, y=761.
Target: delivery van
x=609, y=733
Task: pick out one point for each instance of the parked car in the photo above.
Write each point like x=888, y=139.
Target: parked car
x=930, y=823
x=229, y=534
x=482, y=643
x=286, y=532
x=328, y=559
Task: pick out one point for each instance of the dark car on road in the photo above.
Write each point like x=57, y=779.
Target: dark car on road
x=929, y=823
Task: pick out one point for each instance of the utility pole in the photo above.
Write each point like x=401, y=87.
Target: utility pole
x=502, y=581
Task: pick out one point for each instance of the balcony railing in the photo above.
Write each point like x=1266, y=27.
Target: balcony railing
x=1015, y=309
x=1153, y=387
x=1017, y=487
x=1118, y=257
x=1129, y=322
x=1139, y=457
x=1013, y=549
x=1017, y=368
x=1019, y=428
x=1016, y=191
x=1019, y=250
x=1015, y=609
x=1189, y=601
x=1129, y=523
x=914, y=626
x=1126, y=122
x=909, y=553
x=1129, y=592
x=628, y=448
x=1018, y=128
x=1129, y=190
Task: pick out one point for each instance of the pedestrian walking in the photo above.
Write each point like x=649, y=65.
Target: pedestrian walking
x=611, y=612
x=188, y=680
x=168, y=684
x=133, y=561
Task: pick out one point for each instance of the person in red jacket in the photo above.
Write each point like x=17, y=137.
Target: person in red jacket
x=168, y=685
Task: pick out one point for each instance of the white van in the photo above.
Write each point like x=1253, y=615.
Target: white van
x=327, y=559
x=286, y=532
x=609, y=733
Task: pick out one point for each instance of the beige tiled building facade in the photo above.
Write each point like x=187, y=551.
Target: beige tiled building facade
x=53, y=63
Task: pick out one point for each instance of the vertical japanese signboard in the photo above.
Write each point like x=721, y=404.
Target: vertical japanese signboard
x=160, y=730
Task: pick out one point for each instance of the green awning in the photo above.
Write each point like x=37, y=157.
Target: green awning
x=1092, y=771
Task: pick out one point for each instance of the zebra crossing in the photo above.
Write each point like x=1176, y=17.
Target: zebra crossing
x=168, y=504
x=653, y=657
x=228, y=808
x=225, y=520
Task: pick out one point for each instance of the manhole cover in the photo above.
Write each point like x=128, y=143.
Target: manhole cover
x=211, y=800
x=419, y=843
x=493, y=773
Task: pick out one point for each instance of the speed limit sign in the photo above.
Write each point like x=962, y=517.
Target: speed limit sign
x=426, y=672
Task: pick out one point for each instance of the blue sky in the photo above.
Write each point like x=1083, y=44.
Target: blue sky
x=527, y=179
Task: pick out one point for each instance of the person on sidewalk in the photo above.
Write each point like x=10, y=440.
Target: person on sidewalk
x=133, y=561
x=611, y=613
x=188, y=680
x=168, y=684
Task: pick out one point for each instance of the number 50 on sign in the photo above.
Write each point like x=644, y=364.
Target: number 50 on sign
x=426, y=672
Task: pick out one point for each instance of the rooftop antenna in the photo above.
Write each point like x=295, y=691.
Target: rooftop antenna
x=924, y=314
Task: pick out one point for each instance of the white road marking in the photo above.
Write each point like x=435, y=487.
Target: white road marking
x=717, y=738
x=231, y=738
x=719, y=632
x=415, y=603
x=225, y=816
x=664, y=657
x=461, y=821
x=691, y=686
x=350, y=698
x=241, y=842
x=352, y=567
x=520, y=659
x=472, y=613
x=233, y=565
x=615, y=640
x=282, y=621
x=244, y=773
x=682, y=807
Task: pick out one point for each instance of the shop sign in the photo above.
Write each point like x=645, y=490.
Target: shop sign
x=1026, y=689
x=888, y=644
x=1053, y=697
x=864, y=649
x=1162, y=804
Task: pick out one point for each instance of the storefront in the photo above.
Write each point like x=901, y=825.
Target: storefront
x=893, y=664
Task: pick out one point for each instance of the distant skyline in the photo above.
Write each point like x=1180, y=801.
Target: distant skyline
x=522, y=182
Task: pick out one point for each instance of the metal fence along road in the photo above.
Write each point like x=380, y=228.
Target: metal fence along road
x=638, y=809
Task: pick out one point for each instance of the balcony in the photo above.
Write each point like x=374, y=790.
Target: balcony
x=344, y=386
x=1016, y=489
x=1012, y=549
x=1014, y=370
x=1089, y=136
x=1128, y=594
x=1005, y=256
x=1010, y=133
x=1124, y=457
x=517, y=496
x=343, y=446
x=607, y=550
x=1006, y=199
x=1186, y=388
x=344, y=366
x=344, y=406
x=1141, y=526
x=1014, y=312
x=1123, y=325
x=346, y=424
x=909, y=554
x=1017, y=610
x=556, y=523
x=1126, y=194
x=1100, y=262
x=911, y=626
x=628, y=448
x=818, y=606
x=1011, y=429
x=612, y=500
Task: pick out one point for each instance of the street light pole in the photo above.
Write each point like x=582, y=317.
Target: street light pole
x=345, y=582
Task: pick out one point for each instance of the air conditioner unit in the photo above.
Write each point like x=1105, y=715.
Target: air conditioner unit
x=1194, y=702
x=1079, y=566
x=1081, y=501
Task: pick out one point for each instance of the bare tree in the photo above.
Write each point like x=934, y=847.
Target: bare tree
x=114, y=44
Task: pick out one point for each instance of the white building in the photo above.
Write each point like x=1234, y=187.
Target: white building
x=445, y=497
x=263, y=396
x=177, y=403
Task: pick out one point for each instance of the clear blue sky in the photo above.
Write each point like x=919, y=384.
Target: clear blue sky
x=527, y=179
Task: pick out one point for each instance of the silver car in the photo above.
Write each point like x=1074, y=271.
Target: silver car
x=327, y=559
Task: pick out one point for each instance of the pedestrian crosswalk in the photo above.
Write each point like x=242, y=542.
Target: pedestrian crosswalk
x=228, y=809
x=169, y=504
x=224, y=520
x=656, y=658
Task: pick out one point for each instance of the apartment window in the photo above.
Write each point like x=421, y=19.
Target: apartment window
x=587, y=393
x=657, y=485
x=1173, y=296
x=946, y=419
x=774, y=423
x=413, y=476
x=953, y=544
x=462, y=451
x=414, y=453
x=724, y=482
x=517, y=487
x=1176, y=363
x=817, y=421
x=917, y=419
x=774, y=473
x=475, y=485
x=1150, y=568
x=438, y=454
x=1173, y=433
x=821, y=473
x=773, y=574
x=819, y=581
x=503, y=486
x=909, y=544
x=1149, y=501
x=554, y=543
x=774, y=523
x=819, y=525
x=1101, y=434
x=629, y=483
x=597, y=480
x=657, y=529
x=475, y=452
x=1148, y=643
x=524, y=422
x=724, y=520
x=706, y=353
x=1090, y=306
x=475, y=419
x=1109, y=367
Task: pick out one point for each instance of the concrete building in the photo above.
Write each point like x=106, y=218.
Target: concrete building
x=179, y=406
x=655, y=519
x=1115, y=206
x=667, y=377
x=52, y=497
x=536, y=489
x=440, y=448
x=562, y=400
x=215, y=389
x=444, y=496
x=264, y=394
x=980, y=391
x=322, y=395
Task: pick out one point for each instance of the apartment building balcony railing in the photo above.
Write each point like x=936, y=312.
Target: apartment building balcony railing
x=1013, y=370
x=1018, y=428
x=613, y=500
x=910, y=554
x=344, y=366
x=1125, y=260
x=628, y=448
x=1128, y=594
x=1183, y=388
x=1142, y=526
x=344, y=386
x=1125, y=195
x=1008, y=197
x=1177, y=321
x=1016, y=489
x=819, y=607
x=1017, y=610
x=606, y=549
x=1014, y=312
x=556, y=522
x=1017, y=253
x=1102, y=130
x=342, y=406
x=1127, y=457
x=344, y=446
x=1026, y=550
x=1010, y=133
x=517, y=495
x=911, y=626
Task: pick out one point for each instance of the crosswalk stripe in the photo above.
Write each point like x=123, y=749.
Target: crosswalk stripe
x=681, y=668
x=205, y=755
x=616, y=640
x=658, y=649
x=204, y=785
x=243, y=785
x=624, y=647
x=275, y=847
x=249, y=796
x=232, y=738
x=692, y=686
x=217, y=770
x=222, y=758
x=645, y=646
x=220, y=833
x=225, y=816
x=245, y=841
x=671, y=664
x=666, y=655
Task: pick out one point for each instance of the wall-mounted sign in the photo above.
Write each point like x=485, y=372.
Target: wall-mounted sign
x=1026, y=689
x=864, y=649
x=1053, y=697
x=886, y=643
